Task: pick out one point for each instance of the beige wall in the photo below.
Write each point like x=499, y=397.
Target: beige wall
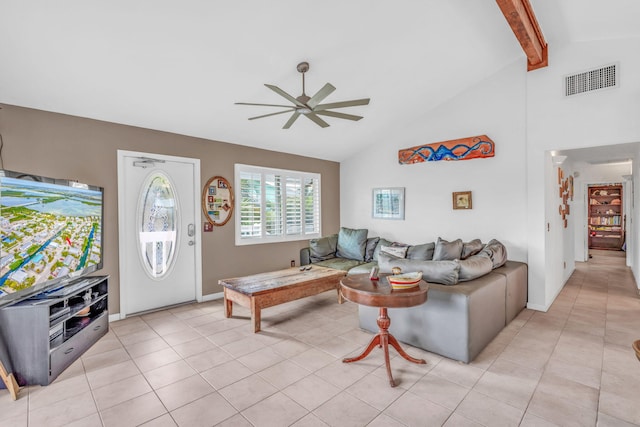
x=69, y=147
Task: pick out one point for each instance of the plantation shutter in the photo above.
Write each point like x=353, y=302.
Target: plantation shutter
x=276, y=205
x=311, y=206
x=294, y=205
x=273, y=205
x=250, y=205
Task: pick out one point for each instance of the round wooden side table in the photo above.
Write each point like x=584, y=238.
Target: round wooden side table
x=360, y=289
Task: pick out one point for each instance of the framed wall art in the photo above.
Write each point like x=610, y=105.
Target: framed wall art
x=388, y=203
x=462, y=200
x=217, y=201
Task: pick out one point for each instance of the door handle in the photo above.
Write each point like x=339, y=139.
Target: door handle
x=191, y=230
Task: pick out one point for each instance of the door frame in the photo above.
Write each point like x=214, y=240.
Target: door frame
x=196, y=218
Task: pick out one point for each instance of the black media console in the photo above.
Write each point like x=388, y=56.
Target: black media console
x=49, y=331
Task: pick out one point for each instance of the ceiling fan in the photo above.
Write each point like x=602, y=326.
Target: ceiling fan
x=310, y=107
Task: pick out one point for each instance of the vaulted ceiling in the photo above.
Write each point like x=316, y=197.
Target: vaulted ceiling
x=179, y=66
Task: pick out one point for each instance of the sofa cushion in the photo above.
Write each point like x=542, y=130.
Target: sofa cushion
x=352, y=243
x=422, y=252
x=395, y=250
x=497, y=252
x=475, y=266
x=323, y=248
x=382, y=242
x=343, y=264
x=471, y=248
x=445, y=250
x=372, y=243
x=444, y=272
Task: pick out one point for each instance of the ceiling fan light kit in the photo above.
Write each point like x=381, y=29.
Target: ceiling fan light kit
x=309, y=107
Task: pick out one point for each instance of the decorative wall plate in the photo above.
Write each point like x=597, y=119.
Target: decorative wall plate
x=217, y=201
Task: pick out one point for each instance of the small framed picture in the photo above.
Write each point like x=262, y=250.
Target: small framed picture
x=462, y=200
x=388, y=203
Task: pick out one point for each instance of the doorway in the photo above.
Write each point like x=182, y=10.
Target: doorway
x=159, y=240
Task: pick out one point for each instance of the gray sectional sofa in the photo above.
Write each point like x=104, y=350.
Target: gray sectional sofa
x=474, y=290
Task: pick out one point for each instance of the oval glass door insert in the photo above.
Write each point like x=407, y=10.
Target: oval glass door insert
x=157, y=232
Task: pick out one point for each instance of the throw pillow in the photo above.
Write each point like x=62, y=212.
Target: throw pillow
x=422, y=252
x=447, y=250
x=323, y=248
x=497, y=252
x=382, y=242
x=471, y=248
x=397, y=251
x=475, y=266
x=352, y=243
x=443, y=272
x=372, y=243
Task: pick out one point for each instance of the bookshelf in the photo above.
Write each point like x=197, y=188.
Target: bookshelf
x=606, y=217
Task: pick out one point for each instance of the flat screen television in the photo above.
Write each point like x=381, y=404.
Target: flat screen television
x=51, y=233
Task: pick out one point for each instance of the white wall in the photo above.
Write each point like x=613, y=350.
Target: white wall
x=555, y=122
x=527, y=116
x=495, y=107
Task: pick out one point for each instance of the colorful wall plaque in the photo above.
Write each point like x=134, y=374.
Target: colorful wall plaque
x=475, y=147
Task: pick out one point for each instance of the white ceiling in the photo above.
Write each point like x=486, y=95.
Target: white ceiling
x=179, y=66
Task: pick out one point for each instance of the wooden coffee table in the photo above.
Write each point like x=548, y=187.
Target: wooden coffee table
x=264, y=290
x=360, y=289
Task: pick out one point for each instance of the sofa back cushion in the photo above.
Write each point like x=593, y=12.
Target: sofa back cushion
x=443, y=272
x=323, y=248
x=471, y=248
x=475, y=266
x=422, y=252
x=445, y=250
x=352, y=243
x=395, y=250
x=497, y=252
x=372, y=244
x=382, y=242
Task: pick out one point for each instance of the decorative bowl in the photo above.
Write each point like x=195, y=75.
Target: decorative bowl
x=405, y=280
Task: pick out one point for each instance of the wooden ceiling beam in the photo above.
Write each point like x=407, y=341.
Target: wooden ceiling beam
x=523, y=22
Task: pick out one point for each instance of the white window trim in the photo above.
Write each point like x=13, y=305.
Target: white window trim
x=242, y=241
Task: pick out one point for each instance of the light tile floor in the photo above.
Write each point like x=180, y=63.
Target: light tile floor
x=189, y=366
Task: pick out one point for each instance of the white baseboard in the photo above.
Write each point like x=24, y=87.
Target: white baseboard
x=205, y=298
x=213, y=297
x=537, y=307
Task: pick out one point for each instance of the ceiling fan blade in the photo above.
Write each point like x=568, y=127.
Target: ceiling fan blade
x=262, y=105
x=272, y=114
x=292, y=119
x=320, y=95
x=285, y=95
x=317, y=120
x=339, y=115
x=364, y=101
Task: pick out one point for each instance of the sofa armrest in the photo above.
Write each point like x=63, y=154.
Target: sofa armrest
x=304, y=256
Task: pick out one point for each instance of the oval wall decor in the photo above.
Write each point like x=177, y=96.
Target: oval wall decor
x=217, y=201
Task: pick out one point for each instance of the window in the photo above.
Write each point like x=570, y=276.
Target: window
x=276, y=205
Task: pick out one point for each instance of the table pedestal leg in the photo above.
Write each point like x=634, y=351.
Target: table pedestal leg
x=382, y=339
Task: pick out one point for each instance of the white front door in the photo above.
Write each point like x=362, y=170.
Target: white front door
x=158, y=204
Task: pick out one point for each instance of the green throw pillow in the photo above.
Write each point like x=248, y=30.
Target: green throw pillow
x=323, y=248
x=352, y=243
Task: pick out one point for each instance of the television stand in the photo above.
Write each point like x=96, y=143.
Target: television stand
x=47, y=333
